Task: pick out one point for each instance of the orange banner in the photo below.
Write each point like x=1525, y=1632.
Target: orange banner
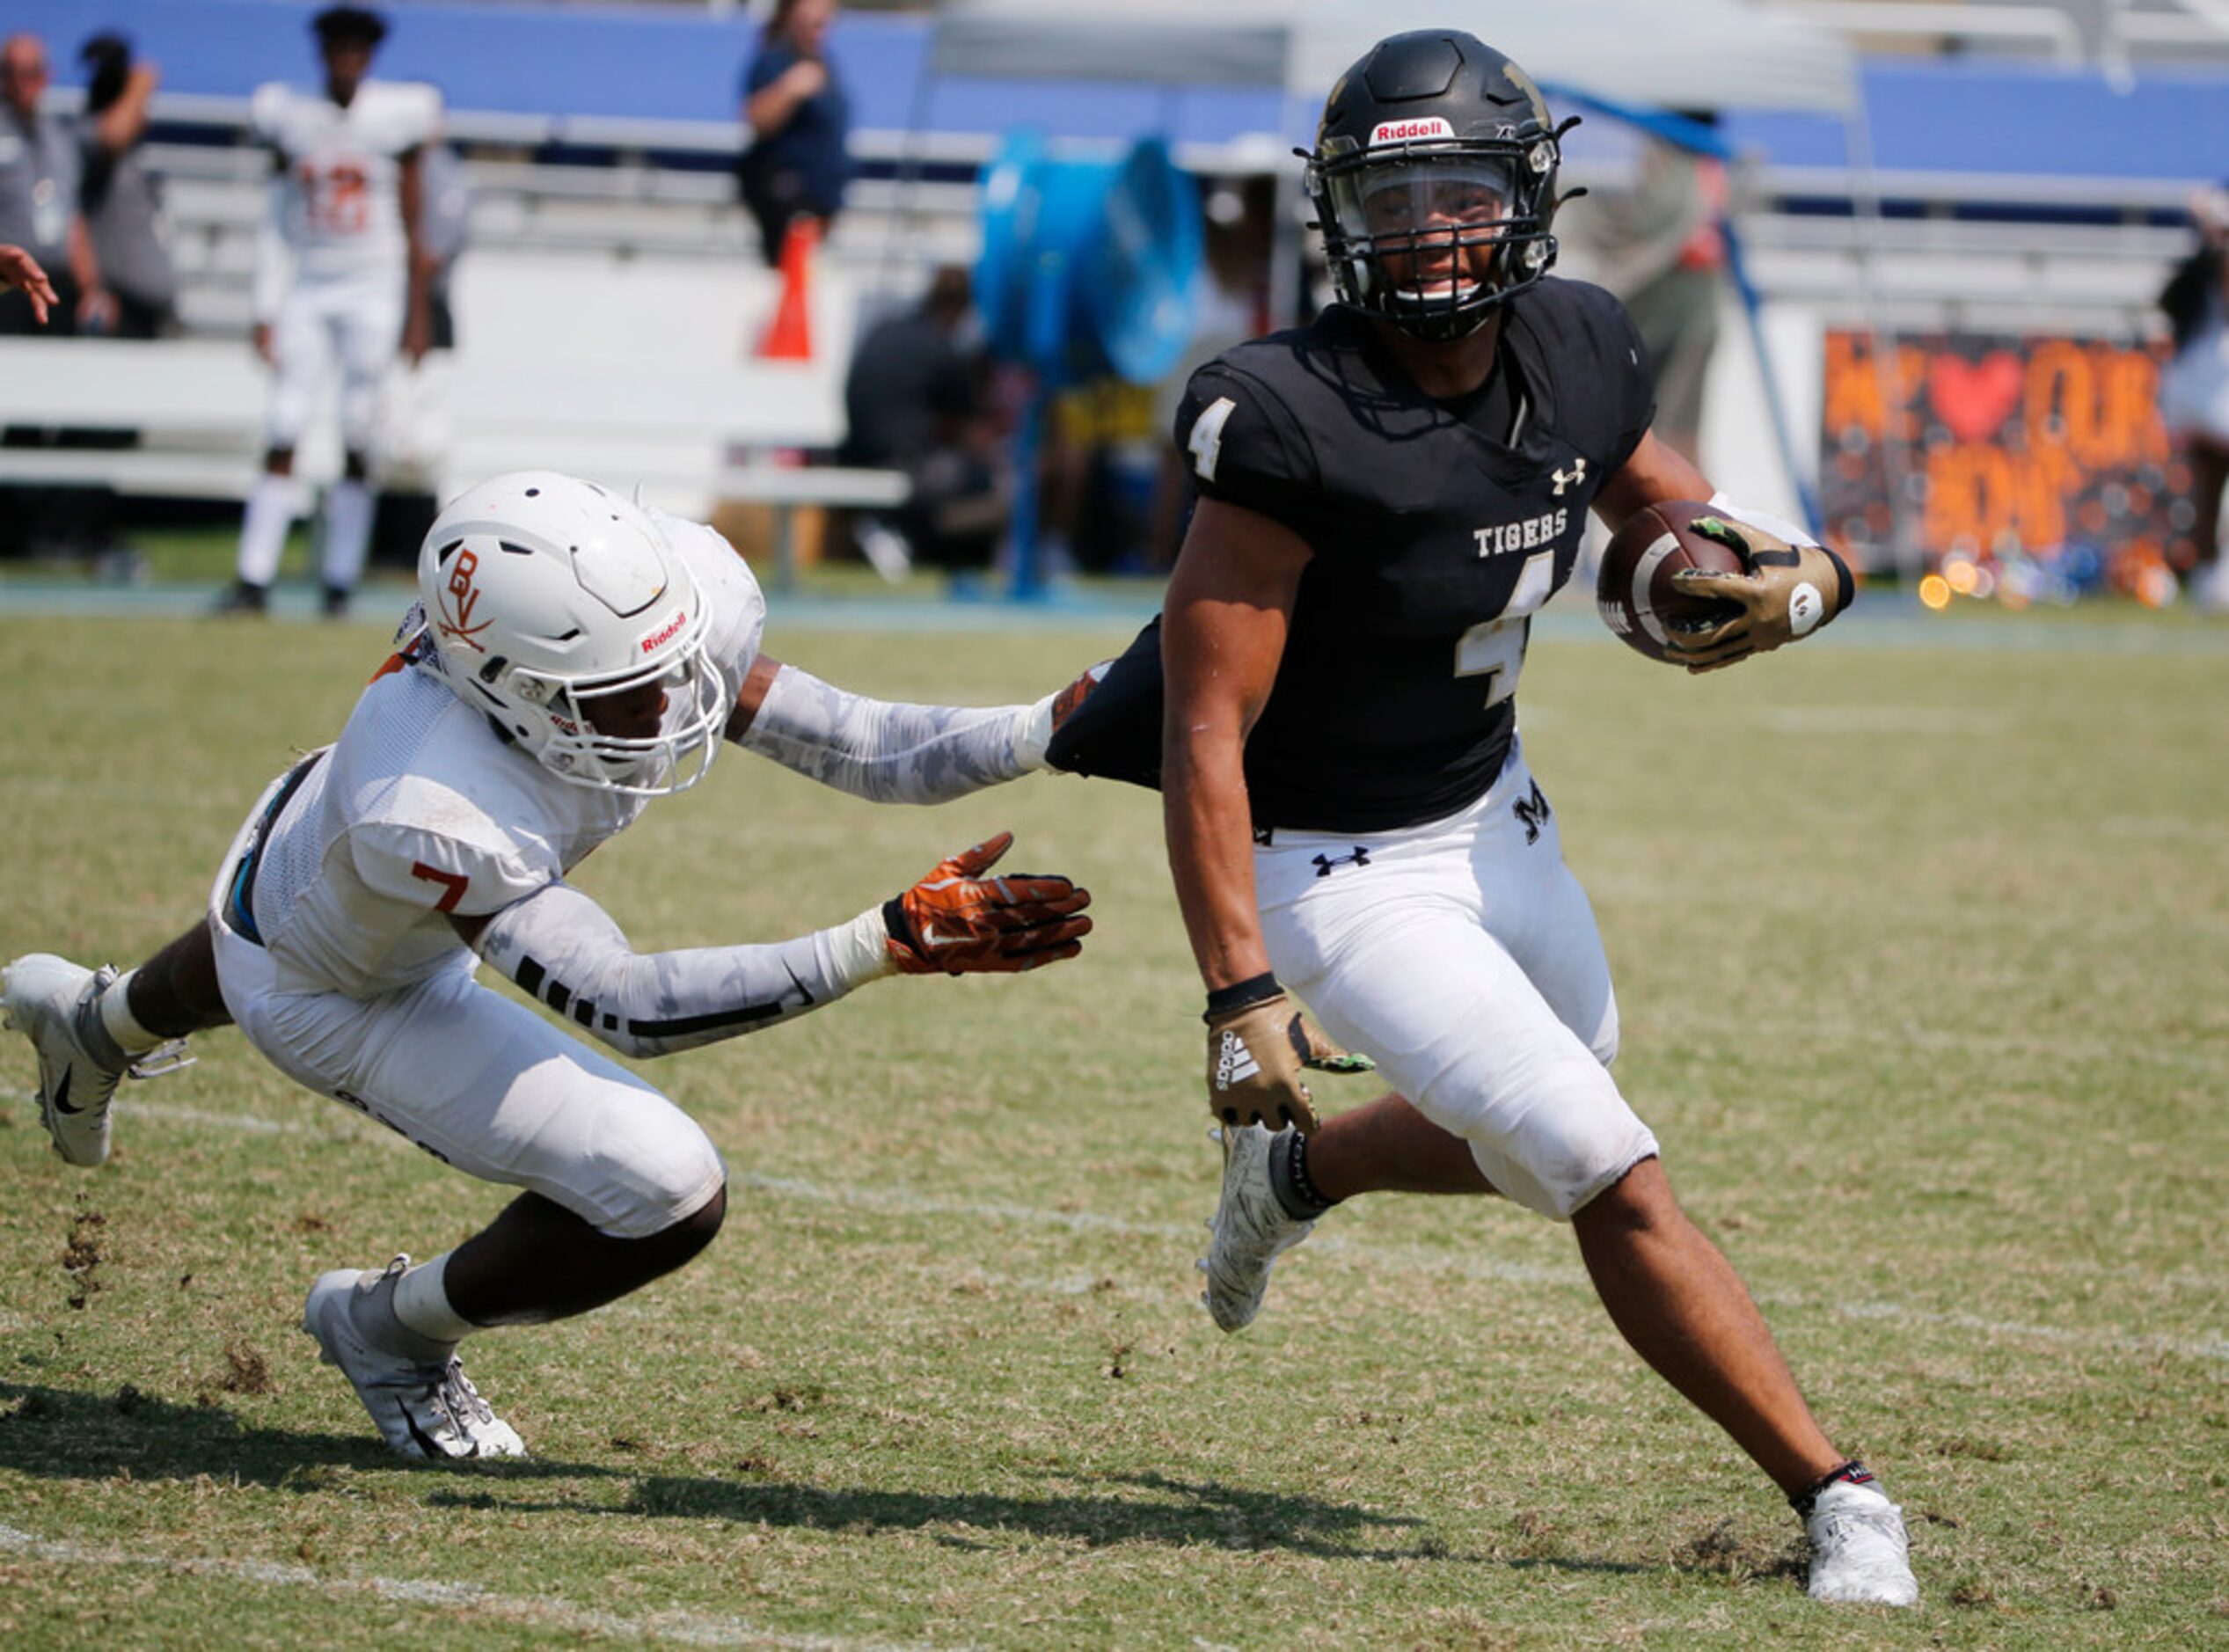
x=2030, y=446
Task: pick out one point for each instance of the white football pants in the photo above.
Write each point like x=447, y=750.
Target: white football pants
x=354, y=323
x=479, y=1081
x=1462, y=957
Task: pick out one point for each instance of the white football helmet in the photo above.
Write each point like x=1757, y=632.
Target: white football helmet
x=544, y=593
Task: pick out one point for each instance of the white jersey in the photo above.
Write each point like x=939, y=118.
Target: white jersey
x=421, y=809
x=342, y=212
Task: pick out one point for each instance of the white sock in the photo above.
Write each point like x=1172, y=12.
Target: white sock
x=421, y=1302
x=116, y=1016
x=347, y=533
x=263, y=532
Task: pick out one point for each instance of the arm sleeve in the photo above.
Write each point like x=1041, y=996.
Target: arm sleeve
x=563, y=948
x=1779, y=527
x=892, y=753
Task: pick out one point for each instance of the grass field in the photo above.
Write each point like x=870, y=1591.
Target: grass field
x=1924, y=963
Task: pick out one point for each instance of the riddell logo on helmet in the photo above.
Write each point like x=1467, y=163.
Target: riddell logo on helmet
x=1409, y=131
x=665, y=633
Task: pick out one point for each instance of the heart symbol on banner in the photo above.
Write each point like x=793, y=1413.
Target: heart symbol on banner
x=1974, y=398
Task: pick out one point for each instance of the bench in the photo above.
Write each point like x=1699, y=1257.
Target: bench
x=632, y=373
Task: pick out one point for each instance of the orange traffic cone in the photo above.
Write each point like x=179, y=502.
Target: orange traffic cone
x=789, y=335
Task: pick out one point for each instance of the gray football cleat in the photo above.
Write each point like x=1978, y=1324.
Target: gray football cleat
x=56, y=1005
x=1859, y=1552
x=424, y=1404
x=1251, y=1228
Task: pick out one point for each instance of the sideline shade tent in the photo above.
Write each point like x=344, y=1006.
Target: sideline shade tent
x=1623, y=57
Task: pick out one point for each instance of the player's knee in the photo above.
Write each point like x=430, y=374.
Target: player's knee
x=1635, y=1200
x=690, y=1235
x=679, y=1242
x=1568, y=1154
x=660, y=1176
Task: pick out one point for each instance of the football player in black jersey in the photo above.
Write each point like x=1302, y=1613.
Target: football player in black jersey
x=1386, y=496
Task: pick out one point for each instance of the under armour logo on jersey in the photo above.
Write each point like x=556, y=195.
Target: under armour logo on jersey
x=1234, y=1063
x=1325, y=863
x=1572, y=478
x=1532, y=812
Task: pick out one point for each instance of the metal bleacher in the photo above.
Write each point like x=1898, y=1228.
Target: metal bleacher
x=2038, y=185
x=2019, y=175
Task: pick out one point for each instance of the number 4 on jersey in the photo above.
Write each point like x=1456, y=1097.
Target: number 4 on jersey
x=1206, y=444
x=1495, y=648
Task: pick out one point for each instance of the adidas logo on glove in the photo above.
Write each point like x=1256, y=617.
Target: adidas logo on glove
x=1234, y=1063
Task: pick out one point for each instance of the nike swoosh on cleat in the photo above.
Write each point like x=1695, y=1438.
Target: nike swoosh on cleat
x=62, y=1094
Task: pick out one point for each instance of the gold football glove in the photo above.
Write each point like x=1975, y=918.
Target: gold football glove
x=1785, y=591
x=955, y=921
x=1255, y=1056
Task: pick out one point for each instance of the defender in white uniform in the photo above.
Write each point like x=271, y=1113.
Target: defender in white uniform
x=573, y=656
x=340, y=284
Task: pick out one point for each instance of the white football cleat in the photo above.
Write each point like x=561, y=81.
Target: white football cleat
x=1251, y=1229
x=425, y=1408
x=1859, y=1552
x=54, y=1003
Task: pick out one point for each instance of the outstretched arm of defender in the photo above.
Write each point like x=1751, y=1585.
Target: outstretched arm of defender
x=563, y=948
x=886, y=752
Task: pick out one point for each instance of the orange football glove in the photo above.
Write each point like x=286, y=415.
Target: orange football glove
x=955, y=921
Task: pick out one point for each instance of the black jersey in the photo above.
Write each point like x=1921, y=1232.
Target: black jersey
x=1437, y=529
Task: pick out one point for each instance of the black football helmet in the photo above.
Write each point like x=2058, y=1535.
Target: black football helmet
x=1432, y=144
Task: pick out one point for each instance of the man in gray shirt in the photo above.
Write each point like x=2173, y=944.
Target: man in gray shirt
x=39, y=180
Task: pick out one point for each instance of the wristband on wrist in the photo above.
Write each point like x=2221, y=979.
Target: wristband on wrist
x=1241, y=994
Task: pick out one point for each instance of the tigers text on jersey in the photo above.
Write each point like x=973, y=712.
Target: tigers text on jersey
x=419, y=810
x=343, y=213
x=1436, y=528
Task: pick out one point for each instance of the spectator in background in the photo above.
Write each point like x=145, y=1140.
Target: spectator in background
x=1656, y=244
x=39, y=214
x=341, y=282
x=40, y=184
x=917, y=399
x=2194, y=391
x=1239, y=227
x=121, y=201
x=414, y=425
x=19, y=272
x=794, y=103
x=444, y=224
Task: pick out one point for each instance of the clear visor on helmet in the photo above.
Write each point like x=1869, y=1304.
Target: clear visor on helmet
x=1417, y=215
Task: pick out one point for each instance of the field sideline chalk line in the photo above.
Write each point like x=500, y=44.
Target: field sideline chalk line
x=1421, y=1259
x=537, y=1612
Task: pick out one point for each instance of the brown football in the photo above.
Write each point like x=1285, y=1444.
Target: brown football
x=1634, y=588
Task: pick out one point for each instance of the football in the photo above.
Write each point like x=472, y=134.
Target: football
x=1634, y=588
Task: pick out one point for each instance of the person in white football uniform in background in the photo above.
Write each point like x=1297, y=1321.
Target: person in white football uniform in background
x=341, y=281
x=573, y=656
